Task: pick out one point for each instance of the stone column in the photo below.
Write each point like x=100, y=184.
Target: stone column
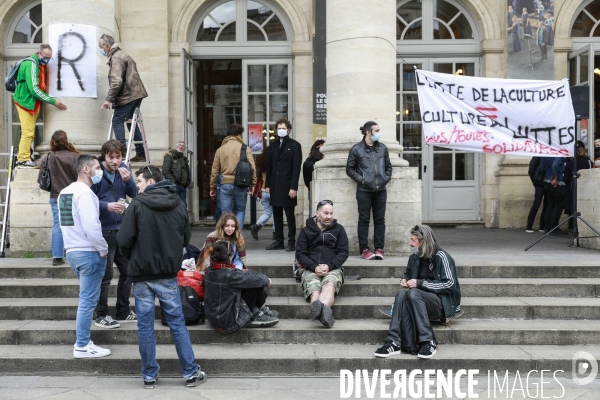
x=361, y=86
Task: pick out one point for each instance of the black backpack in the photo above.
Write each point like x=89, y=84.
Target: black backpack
x=243, y=170
x=10, y=82
x=45, y=181
x=193, y=309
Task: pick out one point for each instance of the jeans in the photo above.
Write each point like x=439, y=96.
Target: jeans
x=368, y=201
x=123, y=290
x=537, y=201
x=27, y=133
x=254, y=298
x=425, y=306
x=89, y=268
x=265, y=200
x=233, y=198
x=278, y=222
x=58, y=245
x=181, y=192
x=122, y=114
x=556, y=200
x=167, y=292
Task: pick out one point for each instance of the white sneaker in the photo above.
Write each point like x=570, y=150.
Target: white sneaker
x=90, y=351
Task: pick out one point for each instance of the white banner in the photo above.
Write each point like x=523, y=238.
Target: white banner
x=497, y=116
x=72, y=70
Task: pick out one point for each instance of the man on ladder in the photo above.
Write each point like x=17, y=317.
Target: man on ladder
x=125, y=92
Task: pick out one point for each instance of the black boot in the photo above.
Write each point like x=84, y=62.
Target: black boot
x=254, y=230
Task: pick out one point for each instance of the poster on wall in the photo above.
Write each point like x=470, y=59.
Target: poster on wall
x=72, y=70
x=255, y=137
x=497, y=116
x=530, y=27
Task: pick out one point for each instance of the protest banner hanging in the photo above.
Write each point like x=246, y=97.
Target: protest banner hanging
x=497, y=116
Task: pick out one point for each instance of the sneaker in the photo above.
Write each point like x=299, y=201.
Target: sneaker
x=90, y=351
x=529, y=230
x=138, y=158
x=150, y=384
x=327, y=317
x=316, y=308
x=131, y=317
x=459, y=313
x=427, y=349
x=271, y=313
x=106, y=322
x=261, y=320
x=58, y=261
x=367, y=255
x=388, y=349
x=197, y=379
x=387, y=313
x=379, y=254
x=254, y=228
x=26, y=164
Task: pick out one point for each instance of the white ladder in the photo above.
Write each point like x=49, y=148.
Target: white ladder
x=136, y=121
x=12, y=160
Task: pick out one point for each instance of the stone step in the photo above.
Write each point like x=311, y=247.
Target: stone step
x=346, y=307
x=369, y=287
x=41, y=269
x=296, y=331
x=281, y=359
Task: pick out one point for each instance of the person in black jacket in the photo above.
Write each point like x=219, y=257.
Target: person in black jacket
x=283, y=173
x=155, y=230
x=538, y=185
x=370, y=167
x=321, y=251
x=583, y=162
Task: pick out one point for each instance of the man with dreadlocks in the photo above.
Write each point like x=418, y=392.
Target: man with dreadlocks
x=433, y=294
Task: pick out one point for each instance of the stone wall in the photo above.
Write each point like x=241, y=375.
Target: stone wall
x=589, y=206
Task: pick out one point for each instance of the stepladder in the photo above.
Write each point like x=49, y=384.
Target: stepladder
x=5, y=194
x=137, y=121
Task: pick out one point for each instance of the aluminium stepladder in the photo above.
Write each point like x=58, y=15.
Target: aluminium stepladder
x=12, y=160
x=138, y=121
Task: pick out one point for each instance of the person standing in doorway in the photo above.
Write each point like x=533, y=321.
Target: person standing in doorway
x=370, y=167
x=28, y=97
x=283, y=173
x=125, y=93
x=176, y=168
x=536, y=175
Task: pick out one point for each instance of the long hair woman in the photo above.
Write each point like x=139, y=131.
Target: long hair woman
x=61, y=164
x=227, y=229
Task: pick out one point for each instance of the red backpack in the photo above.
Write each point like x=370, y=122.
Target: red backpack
x=192, y=279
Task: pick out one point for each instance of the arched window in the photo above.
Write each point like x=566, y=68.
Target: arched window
x=587, y=21
x=27, y=26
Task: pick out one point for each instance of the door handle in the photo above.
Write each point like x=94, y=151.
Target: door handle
x=424, y=168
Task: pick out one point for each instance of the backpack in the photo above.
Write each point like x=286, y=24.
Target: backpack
x=45, y=182
x=193, y=309
x=10, y=82
x=243, y=170
x=192, y=279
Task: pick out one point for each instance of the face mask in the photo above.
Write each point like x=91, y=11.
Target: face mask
x=376, y=137
x=414, y=250
x=97, y=177
x=282, y=132
x=43, y=61
x=103, y=52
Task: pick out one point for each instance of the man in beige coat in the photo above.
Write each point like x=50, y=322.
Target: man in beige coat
x=232, y=197
x=125, y=92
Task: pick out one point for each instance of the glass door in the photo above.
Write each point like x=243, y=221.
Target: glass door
x=582, y=72
x=189, y=129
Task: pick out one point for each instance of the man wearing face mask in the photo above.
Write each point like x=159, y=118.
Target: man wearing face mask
x=116, y=184
x=283, y=173
x=370, y=167
x=125, y=92
x=86, y=248
x=321, y=251
x=28, y=97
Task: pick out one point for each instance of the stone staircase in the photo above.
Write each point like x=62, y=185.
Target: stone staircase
x=516, y=318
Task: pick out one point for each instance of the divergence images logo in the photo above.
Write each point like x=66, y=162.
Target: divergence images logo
x=585, y=368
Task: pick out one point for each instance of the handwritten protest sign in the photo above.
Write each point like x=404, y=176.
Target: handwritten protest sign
x=497, y=116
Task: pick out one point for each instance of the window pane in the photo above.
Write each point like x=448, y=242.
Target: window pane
x=409, y=80
x=23, y=31
x=278, y=78
x=462, y=28
x=15, y=114
x=414, y=31
x=464, y=167
x=414, y=160
x=38, y=37
x=257, y=78
x=446, y=68
x=411, y=137
x=467, y=69
x=35, y=14
x=399, y=28
x=583, y=68
x=442, y=167
x=409, y=12
x=440, y=31
x=410, y=108
x=228, y=33
x=275, y=30
x=222, y=14
x=257, y=108
x=573, y=71
x=278, y=106
x=16, y=136
x=254, y=33
x=258, y=12
x=583, y=25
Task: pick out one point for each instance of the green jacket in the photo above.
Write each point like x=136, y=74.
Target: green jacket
x=176, y=168
x=445, y=283
x=28, y=89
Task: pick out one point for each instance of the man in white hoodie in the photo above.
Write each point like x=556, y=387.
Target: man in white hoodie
x=86, y=248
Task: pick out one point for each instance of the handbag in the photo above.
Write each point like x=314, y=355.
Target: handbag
x=258, y=188
x=45, y=183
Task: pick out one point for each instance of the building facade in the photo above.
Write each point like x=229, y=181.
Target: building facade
x=207, y=63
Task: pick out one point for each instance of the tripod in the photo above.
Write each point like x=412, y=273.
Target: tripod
x=575, y=215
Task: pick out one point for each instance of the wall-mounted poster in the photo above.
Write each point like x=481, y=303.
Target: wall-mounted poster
x=255, y=137
x=72, y=70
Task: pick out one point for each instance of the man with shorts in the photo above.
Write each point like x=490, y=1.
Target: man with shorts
x=321, y=250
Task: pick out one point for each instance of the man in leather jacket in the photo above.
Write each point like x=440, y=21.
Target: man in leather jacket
x=370, y=167
x=176, y=168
